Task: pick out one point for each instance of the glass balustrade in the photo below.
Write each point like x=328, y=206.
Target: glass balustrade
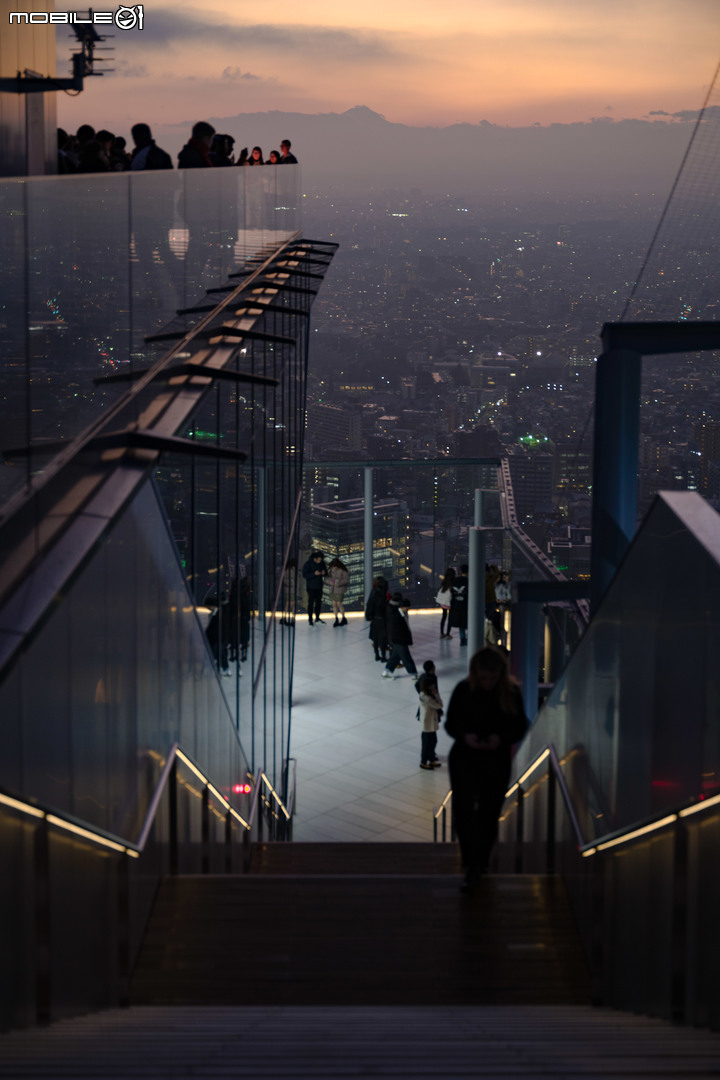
x=92, y=264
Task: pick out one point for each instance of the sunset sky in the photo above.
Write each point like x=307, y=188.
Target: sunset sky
x=418, y=62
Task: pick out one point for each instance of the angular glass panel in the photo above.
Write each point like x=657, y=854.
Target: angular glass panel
x=635, y=714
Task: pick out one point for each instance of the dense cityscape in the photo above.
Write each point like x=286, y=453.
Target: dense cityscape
x=448, y=329
x=451, y=329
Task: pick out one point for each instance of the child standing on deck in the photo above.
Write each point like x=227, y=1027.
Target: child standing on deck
x=429, y=714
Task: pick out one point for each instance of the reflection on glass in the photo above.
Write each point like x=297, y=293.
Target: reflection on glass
x=94, y=263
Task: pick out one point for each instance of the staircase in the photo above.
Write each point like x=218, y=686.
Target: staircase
x=359, y=924
x=343, y=962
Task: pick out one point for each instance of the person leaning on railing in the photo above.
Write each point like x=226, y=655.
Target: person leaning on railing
x=147, y=155
x=195, y=154
x=485, y=717
x=287, y=157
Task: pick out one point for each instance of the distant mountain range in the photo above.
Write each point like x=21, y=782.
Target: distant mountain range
x=360, y=148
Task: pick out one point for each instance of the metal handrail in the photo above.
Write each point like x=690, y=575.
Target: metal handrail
x=549, y=752
x=565, y=792
x=586, y=848
x=439, y=813
x=292, y=787
x=68, y=822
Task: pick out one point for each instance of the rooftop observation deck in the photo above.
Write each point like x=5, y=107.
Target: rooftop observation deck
x=356, y=738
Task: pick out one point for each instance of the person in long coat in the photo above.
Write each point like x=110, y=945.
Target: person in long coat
x=485, y=717
x=376, y=614
x=459, y=604
x=314, y=571
x=400, y=637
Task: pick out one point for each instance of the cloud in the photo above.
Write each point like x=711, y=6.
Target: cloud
x=236, y=73
x=164, y=28
x=658, y=112
x=712, y=112
x=130, y=71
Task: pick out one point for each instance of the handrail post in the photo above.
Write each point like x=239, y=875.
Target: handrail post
x=246, y=851
x=123, y=929
x=476, y=589
x=551, y=810
x=678, y=986
x=205, y=831
x=173, y=817
x=261, y=543
x=434, y=824
x=228, y=842
x=43, y=951
x=519, y=830
x=597, y=940
x=368, y=529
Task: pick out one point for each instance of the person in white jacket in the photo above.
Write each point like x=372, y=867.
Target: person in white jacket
x=337, y=578
x=429, y=713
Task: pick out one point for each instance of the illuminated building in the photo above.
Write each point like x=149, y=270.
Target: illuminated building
x=337, y=530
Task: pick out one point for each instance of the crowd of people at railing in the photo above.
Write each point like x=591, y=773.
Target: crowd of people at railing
x=451, y=598
x=91, y=151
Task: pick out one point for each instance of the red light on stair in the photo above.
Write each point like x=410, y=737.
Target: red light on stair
x=241, y=789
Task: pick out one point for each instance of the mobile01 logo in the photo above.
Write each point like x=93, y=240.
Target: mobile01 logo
x=125, y=18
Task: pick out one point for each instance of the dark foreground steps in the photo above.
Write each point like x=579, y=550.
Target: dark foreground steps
x=365, y=858
x=359, y=938
x=396, y=1043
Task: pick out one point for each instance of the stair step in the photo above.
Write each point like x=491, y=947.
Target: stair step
x=352, y=939
x=448, y=1042
x=365, y=858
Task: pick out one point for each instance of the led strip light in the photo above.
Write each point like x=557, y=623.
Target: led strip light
x=68, y=826
x=203, y=779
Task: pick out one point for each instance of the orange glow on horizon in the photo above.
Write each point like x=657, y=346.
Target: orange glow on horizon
x=515, y=64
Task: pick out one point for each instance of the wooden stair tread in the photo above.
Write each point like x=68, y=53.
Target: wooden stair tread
x=349, y=939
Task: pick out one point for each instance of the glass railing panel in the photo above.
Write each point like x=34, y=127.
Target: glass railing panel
x=679, y=419
x=157, y=257
x=635, y=713
x=92, y=264
x=678, y=277
x=79, y=298
x=205, y=228
x=287, y=196
x=126, y=671
x=14, y=369
x=218, y=514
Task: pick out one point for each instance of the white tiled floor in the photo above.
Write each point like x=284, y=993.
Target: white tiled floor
x=356, y=738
